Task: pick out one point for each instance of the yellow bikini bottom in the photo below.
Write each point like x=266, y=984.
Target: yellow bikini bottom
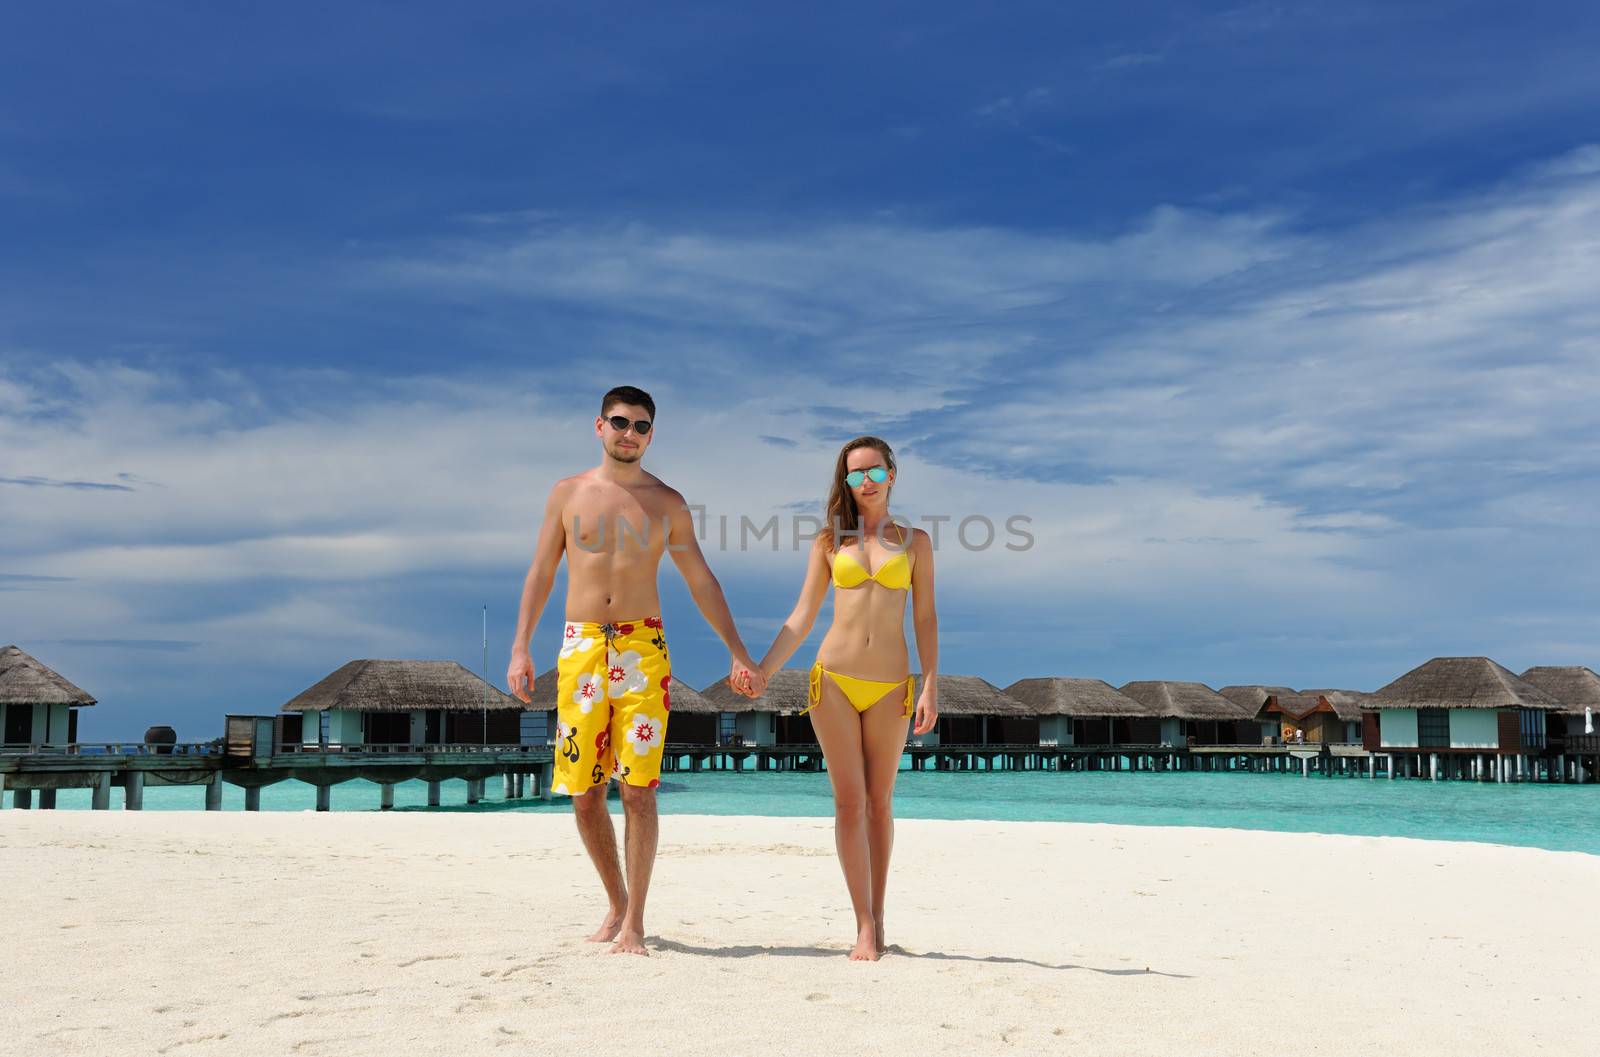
x=861, y=693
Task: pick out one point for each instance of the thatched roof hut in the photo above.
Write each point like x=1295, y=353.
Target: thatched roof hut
x=24, y=681
x=1346, y=704
x=1063, y=696
x=1574, y=686
x=786, y=695
x=1252, y=696
x=1175, y=700
x=1460, y=682
x=969, y=695
x=404, y=686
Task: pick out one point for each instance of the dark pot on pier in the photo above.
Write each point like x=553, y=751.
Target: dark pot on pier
x=163, y=738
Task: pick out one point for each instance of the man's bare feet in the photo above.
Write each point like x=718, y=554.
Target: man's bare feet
x=866, y=948
x=631, y=941
x=608, y=928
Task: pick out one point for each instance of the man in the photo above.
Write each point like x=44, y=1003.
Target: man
x=612, y=524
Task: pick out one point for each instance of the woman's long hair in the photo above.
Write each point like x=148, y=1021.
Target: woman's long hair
x=842, y=515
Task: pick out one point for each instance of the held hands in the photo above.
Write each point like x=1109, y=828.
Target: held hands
x=519, y=677
x=747, y=678
x=927, y=715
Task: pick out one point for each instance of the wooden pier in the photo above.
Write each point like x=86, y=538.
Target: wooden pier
x=1571, y=763
x=524, y=770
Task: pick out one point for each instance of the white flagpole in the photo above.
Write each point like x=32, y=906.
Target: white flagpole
x=486, y=675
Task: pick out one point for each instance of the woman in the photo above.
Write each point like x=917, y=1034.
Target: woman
x=861, y=687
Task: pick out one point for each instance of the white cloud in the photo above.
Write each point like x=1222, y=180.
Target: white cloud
x=1582, y=161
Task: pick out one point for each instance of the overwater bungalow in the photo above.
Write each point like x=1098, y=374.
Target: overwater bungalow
x=1326, y=716
x=379, y=702
x=1078, y=711
x=771, y=719
x=1578, y=690
x=1469, y=712
x=1252, y=698
x=1178, y=713
x=1309, y=716
x=37, y=705
x=973, y=711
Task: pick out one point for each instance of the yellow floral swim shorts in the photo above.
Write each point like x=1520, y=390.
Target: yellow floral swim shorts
x=612, y=699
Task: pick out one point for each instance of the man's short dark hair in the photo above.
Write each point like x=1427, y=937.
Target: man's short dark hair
x=627, y=394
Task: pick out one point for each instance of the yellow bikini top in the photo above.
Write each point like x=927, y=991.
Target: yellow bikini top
x=894, y=574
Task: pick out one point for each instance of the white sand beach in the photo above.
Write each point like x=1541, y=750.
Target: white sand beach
x=412, y=934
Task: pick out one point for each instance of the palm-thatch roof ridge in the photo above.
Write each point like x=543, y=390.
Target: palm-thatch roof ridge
x=1178, y=700
x=24, y=681
x=1063, y=696
x=786, y=694
x=1574, y=686
x=402, y=686
x=1460, y=682
x=1252, y=696
x=1346, y=704
x=970, y=695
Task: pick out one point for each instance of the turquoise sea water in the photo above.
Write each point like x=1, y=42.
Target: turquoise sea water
x=1559, y=817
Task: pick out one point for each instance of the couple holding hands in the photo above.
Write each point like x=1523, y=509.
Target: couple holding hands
x=614, y=675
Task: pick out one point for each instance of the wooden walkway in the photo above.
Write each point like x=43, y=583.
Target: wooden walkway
x=1026, y=757
x=524, y=769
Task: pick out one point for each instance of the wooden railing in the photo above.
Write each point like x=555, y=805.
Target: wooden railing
x=114, y=748
x=411, y=748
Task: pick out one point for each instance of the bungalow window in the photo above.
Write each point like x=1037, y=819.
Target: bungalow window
x=19, y=724
x=1532, y=728
x=1433, y=728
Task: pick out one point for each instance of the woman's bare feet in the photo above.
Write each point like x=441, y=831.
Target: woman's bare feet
x=608, y=928
x=877, y=934
x=866, y=948
x=631, y=941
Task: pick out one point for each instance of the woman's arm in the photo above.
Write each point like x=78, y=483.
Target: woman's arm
x=925, y=619
x=806, y=607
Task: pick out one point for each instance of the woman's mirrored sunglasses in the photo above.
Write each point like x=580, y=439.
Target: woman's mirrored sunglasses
x=855, y=477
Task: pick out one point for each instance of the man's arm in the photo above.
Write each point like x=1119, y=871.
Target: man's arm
x=707, y=592
x=547, y=553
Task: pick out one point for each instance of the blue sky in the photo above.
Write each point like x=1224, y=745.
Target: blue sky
x=1279, y=320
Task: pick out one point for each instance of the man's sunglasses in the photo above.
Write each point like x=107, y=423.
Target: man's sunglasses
x=855, y=477
x=620, y=424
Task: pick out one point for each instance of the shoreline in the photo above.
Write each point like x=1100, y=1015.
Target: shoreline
x=1552, y=817
x=616, y=813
